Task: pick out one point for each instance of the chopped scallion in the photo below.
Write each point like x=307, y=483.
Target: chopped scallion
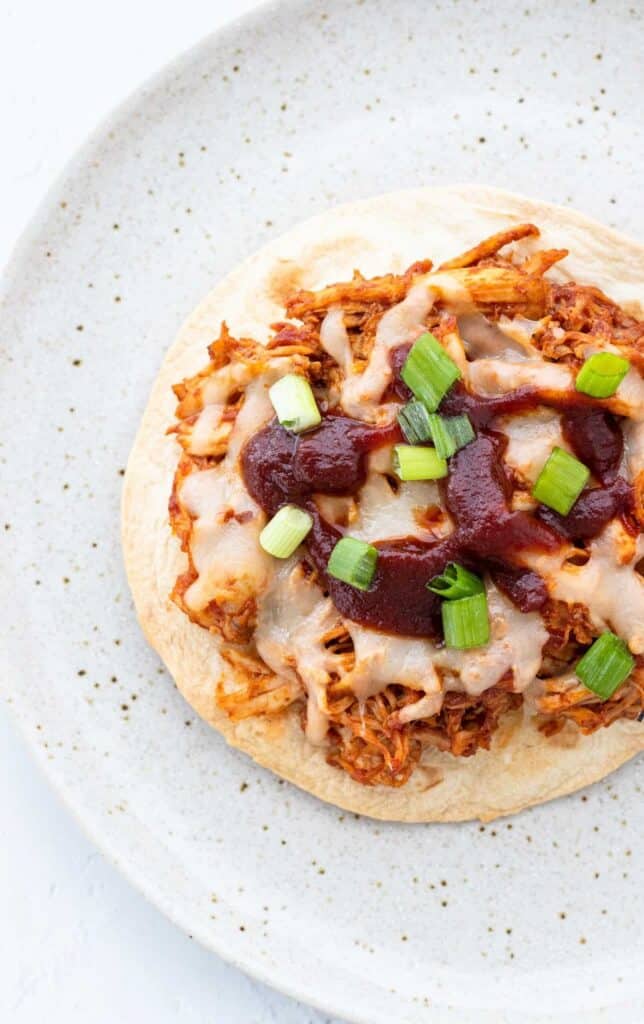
x=354, y=562
x=455, y=582
x=294, y=403
x=285, y=531
x=429, y=372
x=605, y=665
x=601, y=375
x=414, y=423
x=415, y=462
x=561, y=481
x=449, y=433
x=461, y=430
x=465, y=622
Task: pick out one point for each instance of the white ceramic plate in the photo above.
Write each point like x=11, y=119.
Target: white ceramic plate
x=297, y=107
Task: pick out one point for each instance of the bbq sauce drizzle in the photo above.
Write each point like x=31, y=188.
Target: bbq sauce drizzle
x=279, y=467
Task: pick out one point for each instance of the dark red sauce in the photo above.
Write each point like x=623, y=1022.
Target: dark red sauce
x=592, y=510
x=397, y=387
x=595, y=438
x=280, y=467
x=482, y=409
x=526, y=589
x=477, y=493
x=397, y=600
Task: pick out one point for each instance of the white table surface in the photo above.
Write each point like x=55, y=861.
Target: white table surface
x=77, y=944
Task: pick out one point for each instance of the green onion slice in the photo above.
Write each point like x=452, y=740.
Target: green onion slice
x=414, y=462
x=294, y=403
x=449, y=433
x=605, y=665
x=561, y=481
x=455, y=582
x=429, y=372
x=354, y=562
x=414, y=423
x=601, y=375
x=285, y=531
x=465, y=622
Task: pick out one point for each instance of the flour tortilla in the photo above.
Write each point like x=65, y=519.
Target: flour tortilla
x=378, y=235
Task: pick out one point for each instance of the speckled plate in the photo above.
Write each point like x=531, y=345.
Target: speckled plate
x=296, y=107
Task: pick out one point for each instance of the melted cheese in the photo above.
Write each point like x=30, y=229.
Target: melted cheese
x=362, y=391
x=205, y=433
x=629, y=396
x=497, y=376
x=334, y=339
x=634, y=448
x=216, y=389
x=515, y=646
x=254, y=413
x=226, y=553
x=207, y=492
x=383, y=514
x=608, y=584
x=531, y=438
x=453, y=345
x=381, y=460
x=520, y=331
x=337, y=509
x=452, y=291
x=383, y=659
x=485, y=339
x=208, y=430
x=426, y=707
x=293, y=618
x=516, y=643
x=232, y=568
x=257, y=409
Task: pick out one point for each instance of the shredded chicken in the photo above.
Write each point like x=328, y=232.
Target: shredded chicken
x=234, y=623
x=578, y=315
x=369, y=743
x=567, y=624
x=259, y=691
x=491, y=246
x=564, y=699
x=356, y=295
